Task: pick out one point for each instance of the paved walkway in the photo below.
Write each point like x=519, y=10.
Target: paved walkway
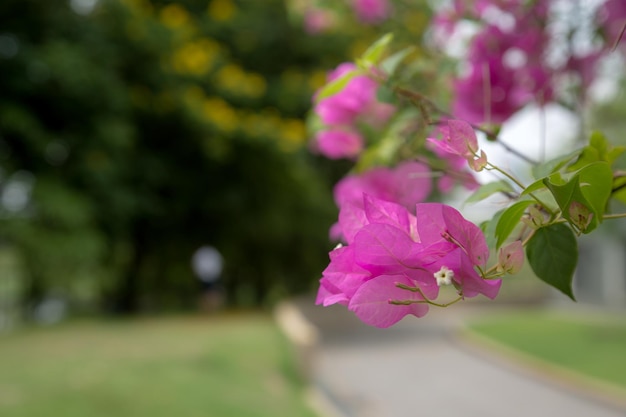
x=419, y=368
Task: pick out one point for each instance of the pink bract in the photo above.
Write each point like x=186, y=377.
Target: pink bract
x=406, y=184
x=336, y=144
x=371, y=11
x=346, y=105
x=391, y=246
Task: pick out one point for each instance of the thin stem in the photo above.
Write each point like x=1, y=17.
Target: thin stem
x=614, y=216
x=506, y=174
x=542, y=133
x=495, y=138
x=519, y=184
x=416, y=98
x=530, y=236
x=619, y=38
x=425, y=299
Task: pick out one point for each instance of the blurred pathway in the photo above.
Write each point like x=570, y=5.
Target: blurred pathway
x=419, y=368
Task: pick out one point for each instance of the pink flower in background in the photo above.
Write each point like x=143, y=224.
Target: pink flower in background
x=456, y=169
x=407, y=184
x=357, y=98
x=612, y=16
x=342, y=114
x=371, y=11
x=460, y=139
x=345, y=106
x=318, y=20
x=391, y=246
x=336, y=144
x=506, y=72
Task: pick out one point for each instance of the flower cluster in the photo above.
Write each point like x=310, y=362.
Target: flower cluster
x=395, y=262
x=406, y=184
x=342, y=113
x=460, y=141
x=508, y=63
x=371, y=11
x=400, y=249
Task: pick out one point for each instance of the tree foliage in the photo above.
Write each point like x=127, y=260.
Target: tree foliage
x=136, y=131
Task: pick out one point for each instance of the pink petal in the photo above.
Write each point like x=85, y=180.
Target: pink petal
x=351, y=219
x=371, y=302
x=384, y=249
x=336, y=144
x=385, y=212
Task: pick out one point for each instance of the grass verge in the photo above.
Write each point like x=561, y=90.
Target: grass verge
x=229, y=366
x=589, y=345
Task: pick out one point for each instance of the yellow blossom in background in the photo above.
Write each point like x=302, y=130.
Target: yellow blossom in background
x=196, y=58
x=292, y=78
x=143, y=7
x=174, y=16
x=265, y=123
x=254, y=85
x=221, y=10
x=415, y=22
x=230, y=77
x=193, y=96
x=317, y=80
x=250, y=123
x=220, y=114
x=236, y=80
x=293, y=133
x=358, y=47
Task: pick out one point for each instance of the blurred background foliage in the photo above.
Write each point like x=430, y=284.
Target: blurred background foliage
x=134, y=131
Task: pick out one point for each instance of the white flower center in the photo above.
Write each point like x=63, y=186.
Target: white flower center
x=444, y=276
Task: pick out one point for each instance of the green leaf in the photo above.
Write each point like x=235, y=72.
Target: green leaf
x=385, y=94
x=619, y=184
x=374, y=53
x=615, y=153
x=390, y=64
x=583, y=198
x=537, y=185
x=598, y=150
x=489, y=189
x=336, y=85
x=509, y=219
x=596, y=182
x=550, y=167
x=380, y=153
x=553, y=254
x=489, y=229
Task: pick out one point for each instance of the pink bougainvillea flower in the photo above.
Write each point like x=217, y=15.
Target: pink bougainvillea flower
x=393, y=248
x=341, y=278
x=585, y=66
x=406, y=184
x=460, y=139
x=455, y=171
x=344, y=112
x=338, y=143
x=371, y=11
x=318, y=20
x=612, y=16
x=346, y=105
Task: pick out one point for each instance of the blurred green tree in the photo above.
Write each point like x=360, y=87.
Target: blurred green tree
x=134, y=131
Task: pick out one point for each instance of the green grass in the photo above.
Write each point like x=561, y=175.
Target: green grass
x=230, y=366
x=590, y=345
